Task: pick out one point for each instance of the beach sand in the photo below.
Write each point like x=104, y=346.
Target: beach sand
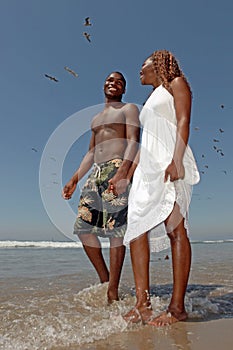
x=207, y=335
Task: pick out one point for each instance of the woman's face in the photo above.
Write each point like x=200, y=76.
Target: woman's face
x=147, y=73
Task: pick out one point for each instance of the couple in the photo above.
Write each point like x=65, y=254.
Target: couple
x=154, y=207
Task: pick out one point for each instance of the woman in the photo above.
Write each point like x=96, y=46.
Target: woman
x=161, y=188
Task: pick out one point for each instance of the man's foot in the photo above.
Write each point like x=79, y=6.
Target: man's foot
x=167, y=319
x=112, y=296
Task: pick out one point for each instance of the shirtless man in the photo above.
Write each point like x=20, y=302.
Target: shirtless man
x=103, y=202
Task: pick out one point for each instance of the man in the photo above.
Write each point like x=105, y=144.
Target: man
x=104, y=199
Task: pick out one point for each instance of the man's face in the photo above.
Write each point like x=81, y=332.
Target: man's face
x=114, y=86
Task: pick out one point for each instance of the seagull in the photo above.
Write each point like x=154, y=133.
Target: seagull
x=51, y=78
x=87, y=36
x=87, y=21
x=71, y=71
x=221, y=130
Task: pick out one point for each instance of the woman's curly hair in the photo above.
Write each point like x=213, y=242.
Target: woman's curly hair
x=167, y=67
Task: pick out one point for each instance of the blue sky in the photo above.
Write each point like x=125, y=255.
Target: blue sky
x=41, y=37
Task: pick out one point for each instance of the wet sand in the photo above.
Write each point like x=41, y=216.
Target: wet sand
x=201, y=335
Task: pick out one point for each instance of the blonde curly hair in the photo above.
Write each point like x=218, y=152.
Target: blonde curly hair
x=167, y=67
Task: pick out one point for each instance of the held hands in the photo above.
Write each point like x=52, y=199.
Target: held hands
x=69, y=189
x=118, y=187
x=174, y=171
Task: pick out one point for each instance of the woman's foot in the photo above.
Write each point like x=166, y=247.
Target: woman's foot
x=143, y=314
x=167, y=318
x=133, y=316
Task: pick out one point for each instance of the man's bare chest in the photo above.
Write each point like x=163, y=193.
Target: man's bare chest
x=113, y=119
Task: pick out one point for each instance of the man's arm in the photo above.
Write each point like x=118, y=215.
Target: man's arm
x=85, y=165
x=133, y=166
x=132, y=131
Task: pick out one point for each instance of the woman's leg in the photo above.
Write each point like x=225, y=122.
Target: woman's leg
x=140, y=257
x=181, y=263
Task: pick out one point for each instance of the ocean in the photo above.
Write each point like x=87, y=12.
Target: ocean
x=51, y=297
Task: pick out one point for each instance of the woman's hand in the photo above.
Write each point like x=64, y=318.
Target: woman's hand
x=174, y=171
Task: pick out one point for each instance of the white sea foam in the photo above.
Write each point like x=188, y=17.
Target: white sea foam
x=213, y=241
x=43, y=244
x=53, y=244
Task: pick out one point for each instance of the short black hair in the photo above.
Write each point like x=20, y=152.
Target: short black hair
x=122, y=77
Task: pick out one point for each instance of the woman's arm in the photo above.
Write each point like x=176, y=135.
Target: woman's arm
x=182, y=102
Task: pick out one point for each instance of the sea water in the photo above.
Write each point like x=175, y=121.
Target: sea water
x=51, y=297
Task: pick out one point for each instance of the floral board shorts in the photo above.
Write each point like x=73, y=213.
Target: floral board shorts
x=99, y=211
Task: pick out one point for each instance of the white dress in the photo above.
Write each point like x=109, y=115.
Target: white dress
x=151, y=200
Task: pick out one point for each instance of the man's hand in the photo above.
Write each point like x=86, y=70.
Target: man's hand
x=69, y=189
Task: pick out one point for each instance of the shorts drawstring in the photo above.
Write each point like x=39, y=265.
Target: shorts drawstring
x=97, y=170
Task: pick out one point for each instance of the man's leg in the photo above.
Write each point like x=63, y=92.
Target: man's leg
x=92, y=247
x=117, y=255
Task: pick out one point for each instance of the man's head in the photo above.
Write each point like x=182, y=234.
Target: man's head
x=114, y=86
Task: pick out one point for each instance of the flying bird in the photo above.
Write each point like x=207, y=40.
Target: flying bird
x=196, y=128
x=87, y=21
x=221, y=130
x=71, y=71
x=34, y=149
x=87, y=36
x=222, y=106
x=51, y=78
x=224, y=171
x=215, y=140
